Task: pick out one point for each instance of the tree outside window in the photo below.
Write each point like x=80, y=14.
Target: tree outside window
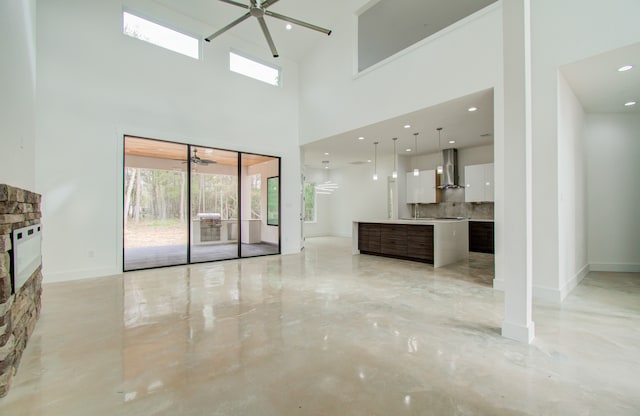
x=309, y=202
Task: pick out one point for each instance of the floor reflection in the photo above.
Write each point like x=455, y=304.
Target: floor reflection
x=220, y=317
x=324, y=332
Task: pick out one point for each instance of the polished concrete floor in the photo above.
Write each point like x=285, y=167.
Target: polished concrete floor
x=326, y=333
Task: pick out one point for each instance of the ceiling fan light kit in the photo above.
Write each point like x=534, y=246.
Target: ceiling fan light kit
x=197, y=160
x=258, y=9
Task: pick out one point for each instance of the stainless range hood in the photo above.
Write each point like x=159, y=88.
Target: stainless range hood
x=449, y=178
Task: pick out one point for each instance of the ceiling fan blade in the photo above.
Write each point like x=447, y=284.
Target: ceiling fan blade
x=235, y=3
x=267, y=35
x=229, y=26
x=297, y=22
x=268, y=3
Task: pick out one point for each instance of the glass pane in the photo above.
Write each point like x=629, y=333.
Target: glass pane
x=253, y=69
x=159, y=35
x=260, y=213
x=155, y=183
x=309, y=202
x=214, y=204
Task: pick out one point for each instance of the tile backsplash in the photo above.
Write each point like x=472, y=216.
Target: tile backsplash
x=474, y=210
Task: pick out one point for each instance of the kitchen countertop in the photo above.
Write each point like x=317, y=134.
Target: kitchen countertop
x=450, y=237
x=419, y=221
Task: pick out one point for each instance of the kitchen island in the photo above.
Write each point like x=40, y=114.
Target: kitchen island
x=435, y=241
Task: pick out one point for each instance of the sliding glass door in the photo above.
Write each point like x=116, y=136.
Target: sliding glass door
x=214, y=204
x=260, y=224
x=155, y=203
x=191, y=204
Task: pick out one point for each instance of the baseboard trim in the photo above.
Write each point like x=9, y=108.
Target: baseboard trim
x=517, y=332
x=498, y=284
x=57, y=277
x=574, y=282
x=615, y=267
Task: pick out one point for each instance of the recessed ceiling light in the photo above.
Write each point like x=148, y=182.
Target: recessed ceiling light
x=625, y=68
x=288, y=26
x=408, y=150
x=326, y=167
x=452, y=141
x=630, y=103
x=472, y=109
x=360, y=138
x=326, y=153
x=369, y=161
x=407, y=126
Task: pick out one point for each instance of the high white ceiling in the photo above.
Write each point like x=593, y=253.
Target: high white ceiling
x=598, y=84
x=292, y=44
x=595, y=81
x=466, y=128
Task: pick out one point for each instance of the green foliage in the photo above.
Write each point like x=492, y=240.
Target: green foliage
x=309, y=202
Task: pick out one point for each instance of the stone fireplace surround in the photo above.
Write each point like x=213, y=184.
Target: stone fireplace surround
x=18, y=311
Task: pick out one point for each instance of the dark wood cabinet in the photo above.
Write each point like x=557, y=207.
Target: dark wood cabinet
x=368, y=237
x=481, y=236
x=412, y=242
x=393, y=239
x=420, y=242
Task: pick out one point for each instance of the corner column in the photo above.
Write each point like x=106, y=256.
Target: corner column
x=518, y=291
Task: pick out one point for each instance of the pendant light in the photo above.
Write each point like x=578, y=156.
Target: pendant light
x=439, y=169
x=416, y=171
x=375, y=161
x=394, y=175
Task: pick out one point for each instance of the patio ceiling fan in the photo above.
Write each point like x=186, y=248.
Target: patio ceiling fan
x=197, y=160
x=258, y=9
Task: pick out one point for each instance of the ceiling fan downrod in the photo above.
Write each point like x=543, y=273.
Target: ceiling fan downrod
x=258, y=10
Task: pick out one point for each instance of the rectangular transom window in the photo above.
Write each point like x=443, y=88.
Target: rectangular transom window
x=159, y=35
x=253, y=69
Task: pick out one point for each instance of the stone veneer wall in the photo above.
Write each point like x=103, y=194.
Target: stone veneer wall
x=18, y=311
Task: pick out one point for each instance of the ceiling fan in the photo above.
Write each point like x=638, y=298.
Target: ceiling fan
x=197, y=160
x=258, y=9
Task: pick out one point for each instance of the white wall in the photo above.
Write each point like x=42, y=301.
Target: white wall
x=95, y=85
x=359, y=196
x=613, y=169
x=563, y=32
x=572, y=183
x=463, y=59
x=18, y=86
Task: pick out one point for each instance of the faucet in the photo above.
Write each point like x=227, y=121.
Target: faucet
x=415, y=211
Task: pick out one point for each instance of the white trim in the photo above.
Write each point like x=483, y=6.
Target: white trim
x=547, y=294
x=615, y=267
x=558, y=295
x=443, y=32
x=517, y=332
x=67, y=276
x=574, y=281
x=498, y=284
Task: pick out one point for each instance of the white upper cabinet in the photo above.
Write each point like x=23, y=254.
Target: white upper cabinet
x=422, y=189
x=478, y=183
